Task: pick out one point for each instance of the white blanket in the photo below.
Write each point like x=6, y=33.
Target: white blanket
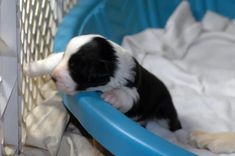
x=44, y=132
x=196, y=62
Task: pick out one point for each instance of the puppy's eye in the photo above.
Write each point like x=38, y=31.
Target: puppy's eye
x=71, y=64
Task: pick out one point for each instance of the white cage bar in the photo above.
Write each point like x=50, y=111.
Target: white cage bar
x=27, y=28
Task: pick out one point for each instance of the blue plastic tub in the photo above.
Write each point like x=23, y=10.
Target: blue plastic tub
x=115, y=19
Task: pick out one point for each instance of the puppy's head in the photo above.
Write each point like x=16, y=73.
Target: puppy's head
x=88, y=61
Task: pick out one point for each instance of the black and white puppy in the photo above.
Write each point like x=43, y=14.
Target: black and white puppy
x=93, y=63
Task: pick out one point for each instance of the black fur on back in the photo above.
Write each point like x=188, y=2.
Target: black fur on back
x=93, y=64
x=155, y=100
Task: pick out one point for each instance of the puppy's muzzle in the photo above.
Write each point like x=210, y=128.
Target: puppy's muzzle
x=63, y=80
x=58, y=73
x=54, y=75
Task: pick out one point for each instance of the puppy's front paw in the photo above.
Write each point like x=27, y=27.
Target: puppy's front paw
x=113, y=97
x=27, y=68
x=121, y=98
x=217, y=142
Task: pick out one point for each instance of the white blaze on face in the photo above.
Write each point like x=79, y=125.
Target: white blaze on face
x=64, y=81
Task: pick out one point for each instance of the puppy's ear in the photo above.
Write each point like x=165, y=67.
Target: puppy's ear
x=100, y=73
x=87, y=72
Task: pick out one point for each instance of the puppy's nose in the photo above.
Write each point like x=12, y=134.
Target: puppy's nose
x=53, y=78
x=55, y=74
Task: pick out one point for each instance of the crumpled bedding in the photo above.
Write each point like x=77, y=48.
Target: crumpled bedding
x=196, y=62
x=44, y=131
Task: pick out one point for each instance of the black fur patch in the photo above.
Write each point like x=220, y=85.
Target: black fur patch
x=155, y=100
x=93, y=64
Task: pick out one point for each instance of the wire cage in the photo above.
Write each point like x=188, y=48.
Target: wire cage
x=30, y=35
x=38, y=23
x=26, y=36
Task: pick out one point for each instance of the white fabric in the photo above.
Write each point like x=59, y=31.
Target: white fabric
x=44, y=130
x=196, y=62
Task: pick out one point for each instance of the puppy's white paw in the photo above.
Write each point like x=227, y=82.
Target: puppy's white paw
x=122, y=98
x=33, y=69
x=27, y=68
x=215, y=142
x=113, y=97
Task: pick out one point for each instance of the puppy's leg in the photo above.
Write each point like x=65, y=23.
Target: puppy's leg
x=121, y=98
x=216, y=142
x=167, y=113
x=43, y=67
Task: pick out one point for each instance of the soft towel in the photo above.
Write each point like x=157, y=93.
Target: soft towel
x=196, y=62
x=44, y=132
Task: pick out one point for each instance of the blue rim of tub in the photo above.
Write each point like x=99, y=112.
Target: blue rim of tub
x=116, y=132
